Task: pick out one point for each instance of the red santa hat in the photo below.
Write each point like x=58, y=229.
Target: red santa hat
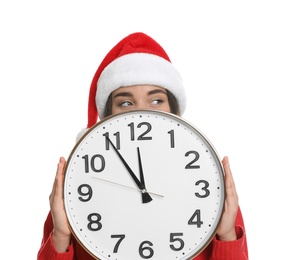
x=135, y=60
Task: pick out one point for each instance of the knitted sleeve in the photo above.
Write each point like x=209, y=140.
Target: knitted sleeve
x=232, y=250
x=47, y=250
x=228, y=250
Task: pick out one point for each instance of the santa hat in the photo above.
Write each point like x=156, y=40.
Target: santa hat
x=135, y=60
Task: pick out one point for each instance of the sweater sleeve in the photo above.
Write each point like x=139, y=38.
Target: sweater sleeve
x=230, y=250
x=47, y=250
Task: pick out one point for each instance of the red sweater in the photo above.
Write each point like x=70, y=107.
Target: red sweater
x=216, y=250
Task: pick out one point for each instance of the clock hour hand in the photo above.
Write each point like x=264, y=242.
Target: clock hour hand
x=145, y=196
x=140, y=168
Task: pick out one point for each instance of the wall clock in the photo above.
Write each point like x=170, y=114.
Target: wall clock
x=144, y=184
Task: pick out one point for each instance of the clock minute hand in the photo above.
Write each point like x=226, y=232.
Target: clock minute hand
x=145, y=196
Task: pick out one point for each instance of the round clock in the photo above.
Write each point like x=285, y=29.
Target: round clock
x=144, y=184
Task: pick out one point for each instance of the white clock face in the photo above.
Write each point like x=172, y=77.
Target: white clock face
x=182, y=176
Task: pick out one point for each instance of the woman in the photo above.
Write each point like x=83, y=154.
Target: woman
x=138, y=74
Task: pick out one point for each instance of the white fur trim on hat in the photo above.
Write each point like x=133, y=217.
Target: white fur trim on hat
x=138, y=69
x=81, y=133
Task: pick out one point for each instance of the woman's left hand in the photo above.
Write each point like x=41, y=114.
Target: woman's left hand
x=226, y=229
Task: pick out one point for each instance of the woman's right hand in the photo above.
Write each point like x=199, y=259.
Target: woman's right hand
x=61, y=232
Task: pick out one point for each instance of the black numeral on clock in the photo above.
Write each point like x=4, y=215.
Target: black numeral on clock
x=191, y=165
x=86, y=191
x=179, y=243
x=94, y=222
x=196, y=219
x=145, y=251
x=204, y=188
x=92, y=163
x=117, y=137
x=120, y=238
x=172, y=138
x=142, y=136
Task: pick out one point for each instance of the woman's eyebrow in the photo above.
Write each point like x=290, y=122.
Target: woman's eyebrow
x=123, y=94
x=129, y=94
x=157, y=91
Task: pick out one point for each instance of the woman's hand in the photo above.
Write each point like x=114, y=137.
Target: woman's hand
x=61, y=233
x=226, y=229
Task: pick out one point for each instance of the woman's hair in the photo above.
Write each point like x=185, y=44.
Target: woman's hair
x=174, y=108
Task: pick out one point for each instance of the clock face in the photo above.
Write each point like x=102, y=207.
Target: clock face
x=144, y=185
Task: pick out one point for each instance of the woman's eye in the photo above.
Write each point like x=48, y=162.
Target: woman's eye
x=157, y=101
x=125, y=104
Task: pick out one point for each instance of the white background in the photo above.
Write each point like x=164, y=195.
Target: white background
x=234, y=57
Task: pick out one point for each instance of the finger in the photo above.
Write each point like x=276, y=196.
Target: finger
x=229, y=181
x=60, y=177
x=231, y=194
x=58, y=182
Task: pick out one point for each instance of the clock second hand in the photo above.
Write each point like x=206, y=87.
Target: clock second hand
x=132, y=188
